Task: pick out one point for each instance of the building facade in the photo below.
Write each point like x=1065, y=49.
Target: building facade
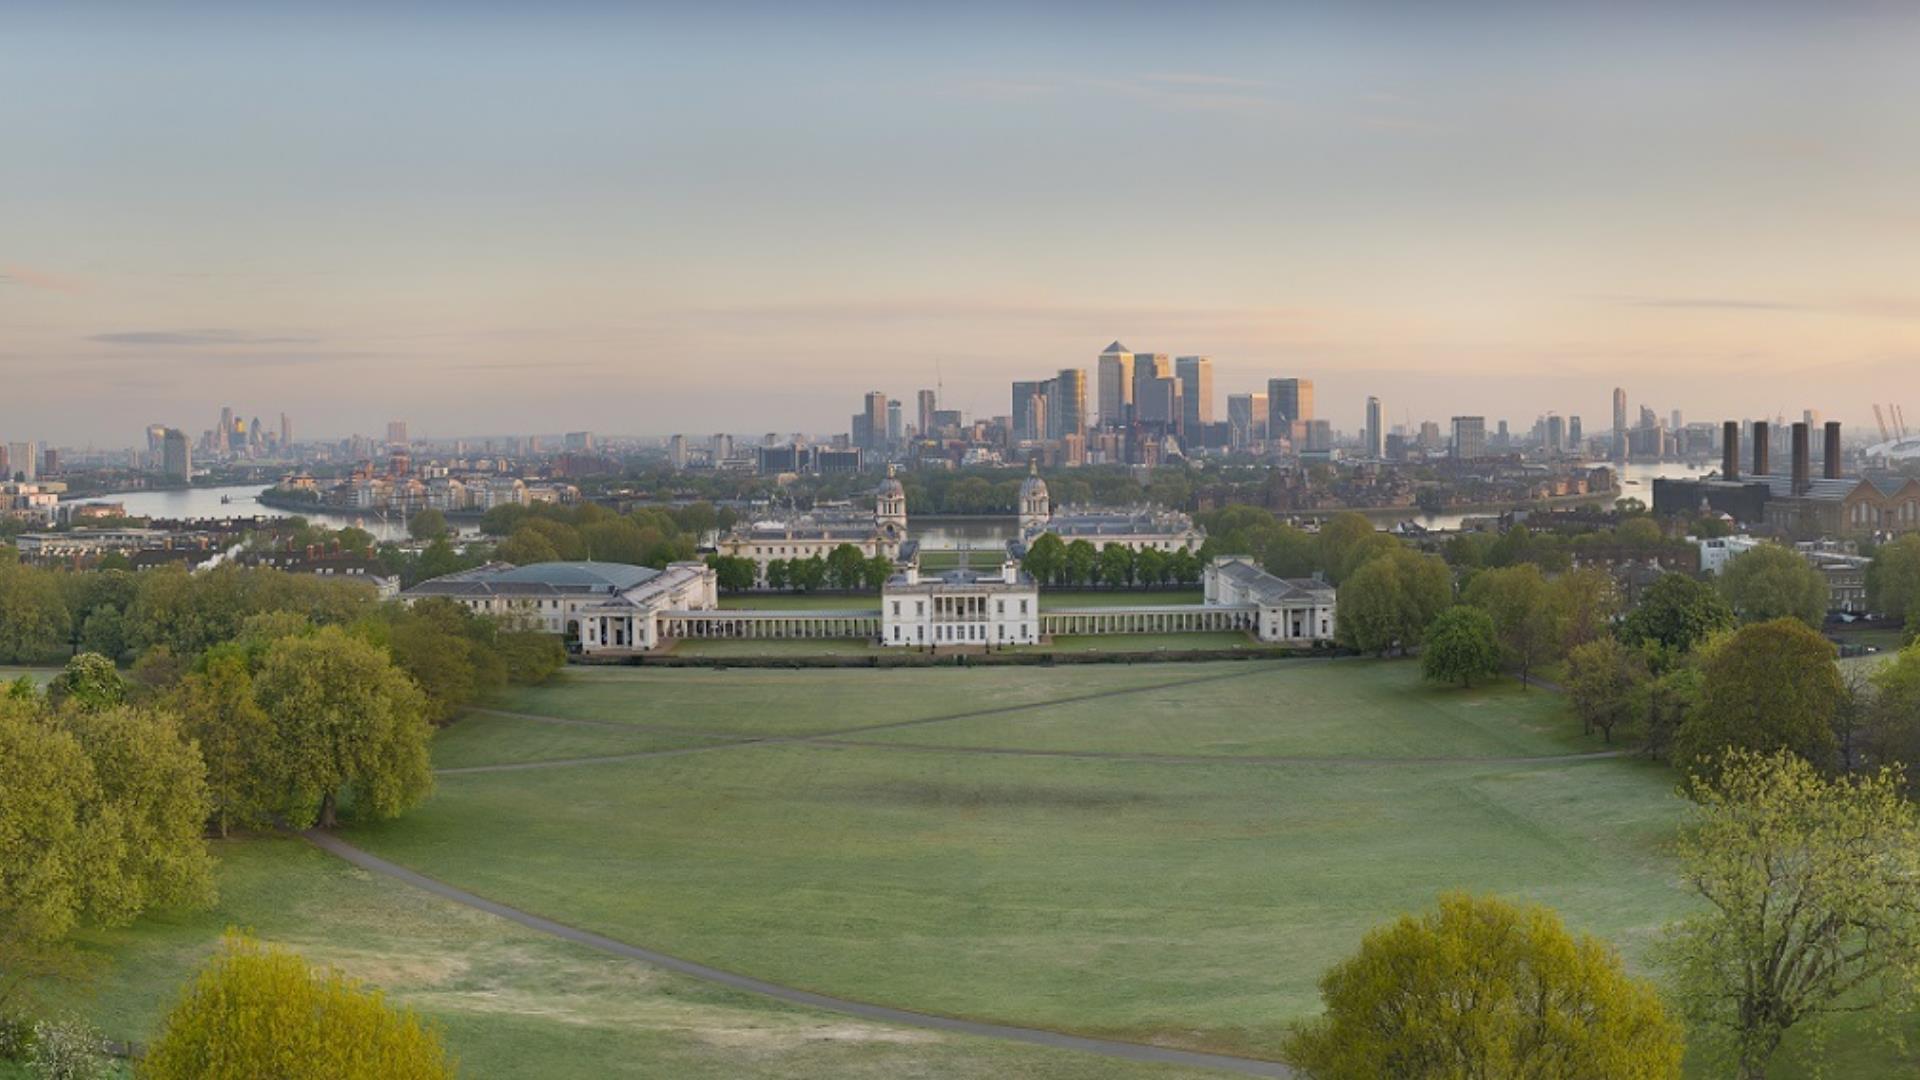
x=986, y=609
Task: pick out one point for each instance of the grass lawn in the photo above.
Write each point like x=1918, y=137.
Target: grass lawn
x=866, y=602
x=1053, y=599
x=40, y=675
x=1215, y=639
x=775, y=647
x=515, y=1003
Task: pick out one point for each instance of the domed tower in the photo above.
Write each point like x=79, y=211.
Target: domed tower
x=1035, y=508
x=890, y=505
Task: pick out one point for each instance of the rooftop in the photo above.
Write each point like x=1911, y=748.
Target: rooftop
x=538, y=579
x=1269, y=589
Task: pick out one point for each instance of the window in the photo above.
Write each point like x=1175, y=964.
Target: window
x=896, y=609
x=999, y=607
x=1023, y=607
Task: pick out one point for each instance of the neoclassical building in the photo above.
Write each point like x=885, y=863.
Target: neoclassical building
x=599, y=606
x=1290, y=610
x=987, y=608
x=884, y=533
x=1138, y=528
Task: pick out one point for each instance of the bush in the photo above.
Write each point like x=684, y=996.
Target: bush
x=66, y=1050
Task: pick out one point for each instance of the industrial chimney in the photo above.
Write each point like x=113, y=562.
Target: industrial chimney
x=1730, y=450
x=1802, y=458
x=1833, y=458
x=1762, y=444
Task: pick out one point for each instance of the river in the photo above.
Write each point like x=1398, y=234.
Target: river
x=205, y=502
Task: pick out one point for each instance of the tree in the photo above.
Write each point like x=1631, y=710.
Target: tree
x=733, y=573
x=1662, y=706
x=1602, y=677
x=217, y=709
x=807, y=574
x=1460, y=645
x=525, y=547
x=1587, y=600
x=1045, y=559
x=1893, y=580
x=846, y=567
x=1773, y=582
x=1337, y=535
x=1769, y=686
x=878, y=570
x=1485, y=989
x=1812, y=890
x=257, y=1011
x=1078, y=561
x=1890, y=721
x=1389, y=602
x=1116, y=564
x=1150, y=566
x=1184, y=567
x=777, y=574
x=348, y=723
x=89, y=681
x=427, y=525
x=1526, y=621
x=1677, y=612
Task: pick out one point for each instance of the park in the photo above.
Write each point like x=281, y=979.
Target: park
x=1166, y=855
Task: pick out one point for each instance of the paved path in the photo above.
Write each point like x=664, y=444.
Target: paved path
x=1115, y=1048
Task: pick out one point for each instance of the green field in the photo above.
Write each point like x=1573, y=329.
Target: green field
x=1054, y=599
x=38, y=674
x=1158, y=852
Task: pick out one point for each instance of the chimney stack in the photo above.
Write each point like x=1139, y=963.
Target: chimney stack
x=1833, y=457
x=1802, y=458
x=1762, y=445
x=1730, y=450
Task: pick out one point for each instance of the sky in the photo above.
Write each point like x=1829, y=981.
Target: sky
x=645, y=219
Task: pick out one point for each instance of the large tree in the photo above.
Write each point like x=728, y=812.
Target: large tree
x=1338, y=536
x=1587, y=600
x=1676, y=613
x=1602, y=678
x=1769, y=686
x=1812, y=890
x=1389, y=602
x=1487, y=990
x=1461, y=646
x=257, y=1011
x=1526, y=621
x=1893, y=581
x=236, y=738
x=1774, y=582
x=1046, y=558
x=349, y=723
x=428, y=524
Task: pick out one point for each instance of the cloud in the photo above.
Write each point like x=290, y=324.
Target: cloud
x=28, y=277
x=203, y=337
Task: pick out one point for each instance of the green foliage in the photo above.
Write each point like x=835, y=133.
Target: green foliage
x=1389, y=602
x=1116, y=564
x=1812, y=890
x=427, y=525
x=846, y=567
x=90, y=682
x=1586, y=602
x=1893, y=580
x=1601, y=681
x=1769, y=686
x=1460, y=645
x=66, y=1049
x=1078, y=562
x=447, y=651
x=1046, y=559
x=1337, y=539
x=526, y=547
x=256, y=1011
x=1486, y=990
x=734, y=573
x=1774, y=582
x=348, y=722
x=190, y=613
x=236, y=738
x=1889, y=732
x=1526, y=618
x=1676, y=613
x=34, y=619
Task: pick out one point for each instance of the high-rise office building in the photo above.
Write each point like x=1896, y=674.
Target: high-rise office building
x=1067, y=404
x=1288, y=402
x=1619, y=423
x=1156, y=392
x=1469, y=437
x=1678, y=421
x=929, y=404
x=1030, y=410
x=176, y=457
x=1375, y=435
x=23, y=460
x=1556, y=437
x=1246, y=420
x=896, y=424
x=286, y=433
x=223, y=438
x=1575, y=436
x=1196, y=394
x=1116, y=386
x=876, y=425
x=396, y=433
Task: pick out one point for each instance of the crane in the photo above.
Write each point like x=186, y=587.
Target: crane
x=1885, y=435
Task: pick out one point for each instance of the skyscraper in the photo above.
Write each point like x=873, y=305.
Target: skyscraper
x=1156, y=392
x=929, y=404
x=176, y=456
x=896, y=424
x=396, y=433
x=1619, y=423
x=1067, y=404
x=1116, y=385
x=1196, y=392
x=223, y=439
x=1246, y=420
x=1029, y=410
x=876, y=425
x=1376, y=447
x=1288, y=401
x=1469, y=437
x=286, y=433
x=1556, y=438
x=1575, y=436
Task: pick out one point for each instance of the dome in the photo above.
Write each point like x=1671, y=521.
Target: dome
x=891, y=487
x=1033, y=486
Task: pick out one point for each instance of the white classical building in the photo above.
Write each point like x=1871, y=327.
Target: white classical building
x=1286, y=610
x=988, y=608
x=1138, y=528
x=603, y=607
x=805, y=536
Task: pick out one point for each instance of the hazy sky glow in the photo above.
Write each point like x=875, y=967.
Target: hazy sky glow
x=710, y=217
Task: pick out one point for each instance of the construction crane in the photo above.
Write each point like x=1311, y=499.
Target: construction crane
x=1885, y=435
x=1900, y=420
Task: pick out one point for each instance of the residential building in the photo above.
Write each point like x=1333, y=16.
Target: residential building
x=1376, y=437
x=1469, y=437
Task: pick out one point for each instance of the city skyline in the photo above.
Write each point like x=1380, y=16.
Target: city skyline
x=1480, y=208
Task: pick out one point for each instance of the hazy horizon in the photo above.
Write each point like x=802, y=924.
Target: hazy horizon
x=591, y=216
